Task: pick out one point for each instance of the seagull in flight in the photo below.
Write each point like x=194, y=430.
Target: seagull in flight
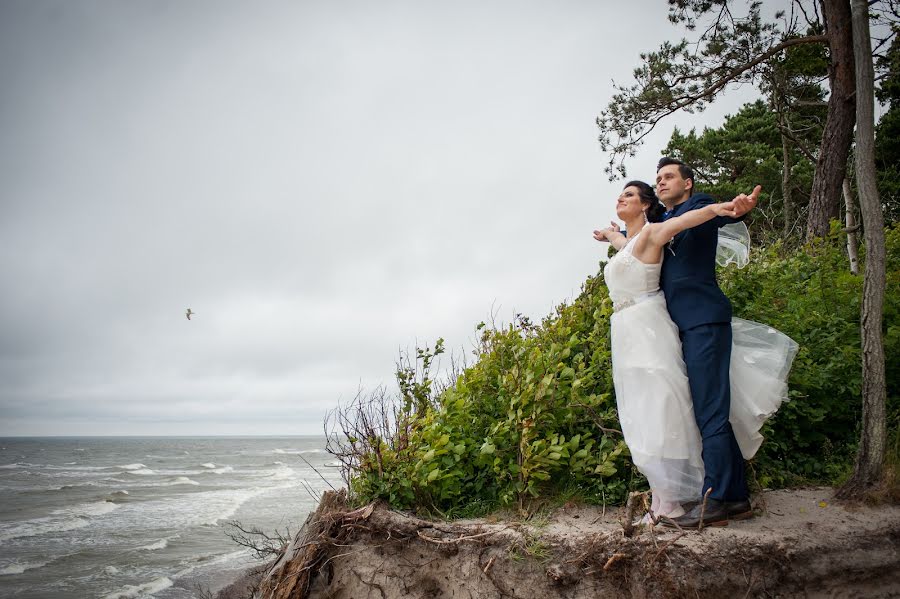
x=189, y=313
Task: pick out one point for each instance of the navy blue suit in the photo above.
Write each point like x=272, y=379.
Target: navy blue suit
x=703, y=315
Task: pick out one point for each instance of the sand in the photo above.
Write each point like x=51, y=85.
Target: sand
x=800, y=544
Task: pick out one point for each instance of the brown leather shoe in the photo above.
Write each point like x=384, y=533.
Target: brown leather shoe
x=739, y=510
x=717, y=513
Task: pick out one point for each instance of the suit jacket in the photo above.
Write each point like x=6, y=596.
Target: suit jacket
x=688, y=276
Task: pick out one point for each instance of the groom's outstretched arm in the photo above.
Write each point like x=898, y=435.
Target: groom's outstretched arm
x=744, y=203
x=661, y=233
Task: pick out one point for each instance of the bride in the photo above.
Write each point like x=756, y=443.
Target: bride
x=652, y=392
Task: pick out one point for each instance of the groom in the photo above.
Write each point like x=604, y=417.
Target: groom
x=703, y=315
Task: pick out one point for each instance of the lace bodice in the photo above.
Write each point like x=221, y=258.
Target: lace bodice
x=628, y=278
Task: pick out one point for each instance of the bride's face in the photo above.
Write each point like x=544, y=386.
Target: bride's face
x=629, y=203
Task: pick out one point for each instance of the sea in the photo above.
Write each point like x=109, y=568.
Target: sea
x=129, y=517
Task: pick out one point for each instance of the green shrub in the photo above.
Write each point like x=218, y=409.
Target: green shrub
x=535, y=416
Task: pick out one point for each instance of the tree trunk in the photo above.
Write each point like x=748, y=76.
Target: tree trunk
x=788, y=210
x=825, y=196
x=852, y=242
x=869, y=467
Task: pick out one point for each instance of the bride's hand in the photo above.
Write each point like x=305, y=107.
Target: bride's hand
x=601, y=235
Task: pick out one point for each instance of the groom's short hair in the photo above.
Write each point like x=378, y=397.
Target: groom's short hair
x=684, y=170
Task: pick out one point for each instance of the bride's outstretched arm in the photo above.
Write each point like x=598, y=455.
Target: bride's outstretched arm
x=612, y=234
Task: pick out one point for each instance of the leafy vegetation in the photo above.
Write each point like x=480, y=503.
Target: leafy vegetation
x=535, y=415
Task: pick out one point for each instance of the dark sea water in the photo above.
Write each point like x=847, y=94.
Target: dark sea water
x=118, y=518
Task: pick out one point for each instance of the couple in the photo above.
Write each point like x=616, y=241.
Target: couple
x=693, y=386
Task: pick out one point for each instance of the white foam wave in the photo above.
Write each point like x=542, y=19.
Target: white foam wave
x=67, y=487
x=13, y=465
x=84, y=510
x=281, y=473
x=185, y=510
x=62, y=520
x=218, y=559
x=230, y=504
x=132, y=467
x=134, y=591
x=223, y=470
x=141, y=471
x=181, y=480
x=209, y=465
x=297, y=451
x=16, y=567
x=40, y=526
x=160, y=544
x=76, y=468
x=178, y=480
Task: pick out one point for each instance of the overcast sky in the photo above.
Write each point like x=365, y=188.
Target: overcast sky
x=323, y=183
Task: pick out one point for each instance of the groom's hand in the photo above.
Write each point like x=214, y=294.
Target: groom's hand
x=744, y=203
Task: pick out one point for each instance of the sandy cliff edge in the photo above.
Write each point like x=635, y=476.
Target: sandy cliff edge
x=801, y=544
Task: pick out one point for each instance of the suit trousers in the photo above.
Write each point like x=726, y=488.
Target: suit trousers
x=707, y=356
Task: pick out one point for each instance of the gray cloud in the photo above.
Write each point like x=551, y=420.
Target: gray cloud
x=323, y=183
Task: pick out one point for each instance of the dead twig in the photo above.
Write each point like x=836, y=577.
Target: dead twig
x=489, y=564
x=425, y=537
x=668, y=544
x=615, y=557
x=327, y=482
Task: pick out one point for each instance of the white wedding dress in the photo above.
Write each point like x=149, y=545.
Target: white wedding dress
x=652, y=392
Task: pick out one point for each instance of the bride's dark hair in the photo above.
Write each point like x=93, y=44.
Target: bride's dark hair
x=648, y=196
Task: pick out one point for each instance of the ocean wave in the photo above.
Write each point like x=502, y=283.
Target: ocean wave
x=181, y=480
x=132, y=467
x=134, y=591
x=160, y=544
x=184, y=510
x=61, y=487
x=172, y=482
x=17, y=567
x=230, y=503
x=297, y=451
x=209, y=465
x=281, y=473
x=76, y=468
x=84, y=510
x=141, y=471
x=61, y=520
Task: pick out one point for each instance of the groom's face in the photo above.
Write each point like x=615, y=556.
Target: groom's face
x=671, y=187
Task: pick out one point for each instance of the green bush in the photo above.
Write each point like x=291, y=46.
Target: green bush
x=535, y=416
x=809, y=294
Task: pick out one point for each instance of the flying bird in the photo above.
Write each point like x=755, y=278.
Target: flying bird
x=188, y=313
